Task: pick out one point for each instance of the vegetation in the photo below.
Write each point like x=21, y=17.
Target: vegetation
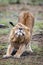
x=19, y=1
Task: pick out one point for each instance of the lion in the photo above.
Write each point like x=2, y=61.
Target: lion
x=20, y=35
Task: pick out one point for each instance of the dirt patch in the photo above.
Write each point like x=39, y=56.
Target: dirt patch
x=30, y=59
x=3, y=39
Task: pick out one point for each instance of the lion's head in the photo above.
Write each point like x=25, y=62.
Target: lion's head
x=20, y=33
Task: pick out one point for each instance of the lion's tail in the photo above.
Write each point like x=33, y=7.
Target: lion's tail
x=11, y=24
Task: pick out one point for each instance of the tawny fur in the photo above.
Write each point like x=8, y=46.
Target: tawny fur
x=26, y=21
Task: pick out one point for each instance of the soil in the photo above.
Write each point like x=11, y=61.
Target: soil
x=27, y=58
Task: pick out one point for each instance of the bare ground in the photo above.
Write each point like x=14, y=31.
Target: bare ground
x=28, y=59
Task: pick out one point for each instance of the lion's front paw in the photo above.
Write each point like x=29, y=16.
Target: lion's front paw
x=16, y=56
x=6, y=56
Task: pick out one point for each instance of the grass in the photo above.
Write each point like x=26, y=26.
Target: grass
x=3, y=46
x=4, y=31
x=38, y=26
x=36, y=47
x=6, y=23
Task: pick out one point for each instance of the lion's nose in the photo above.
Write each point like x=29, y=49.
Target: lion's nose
x=20, y=28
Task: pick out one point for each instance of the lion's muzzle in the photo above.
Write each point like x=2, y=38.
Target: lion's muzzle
x=19, y=32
